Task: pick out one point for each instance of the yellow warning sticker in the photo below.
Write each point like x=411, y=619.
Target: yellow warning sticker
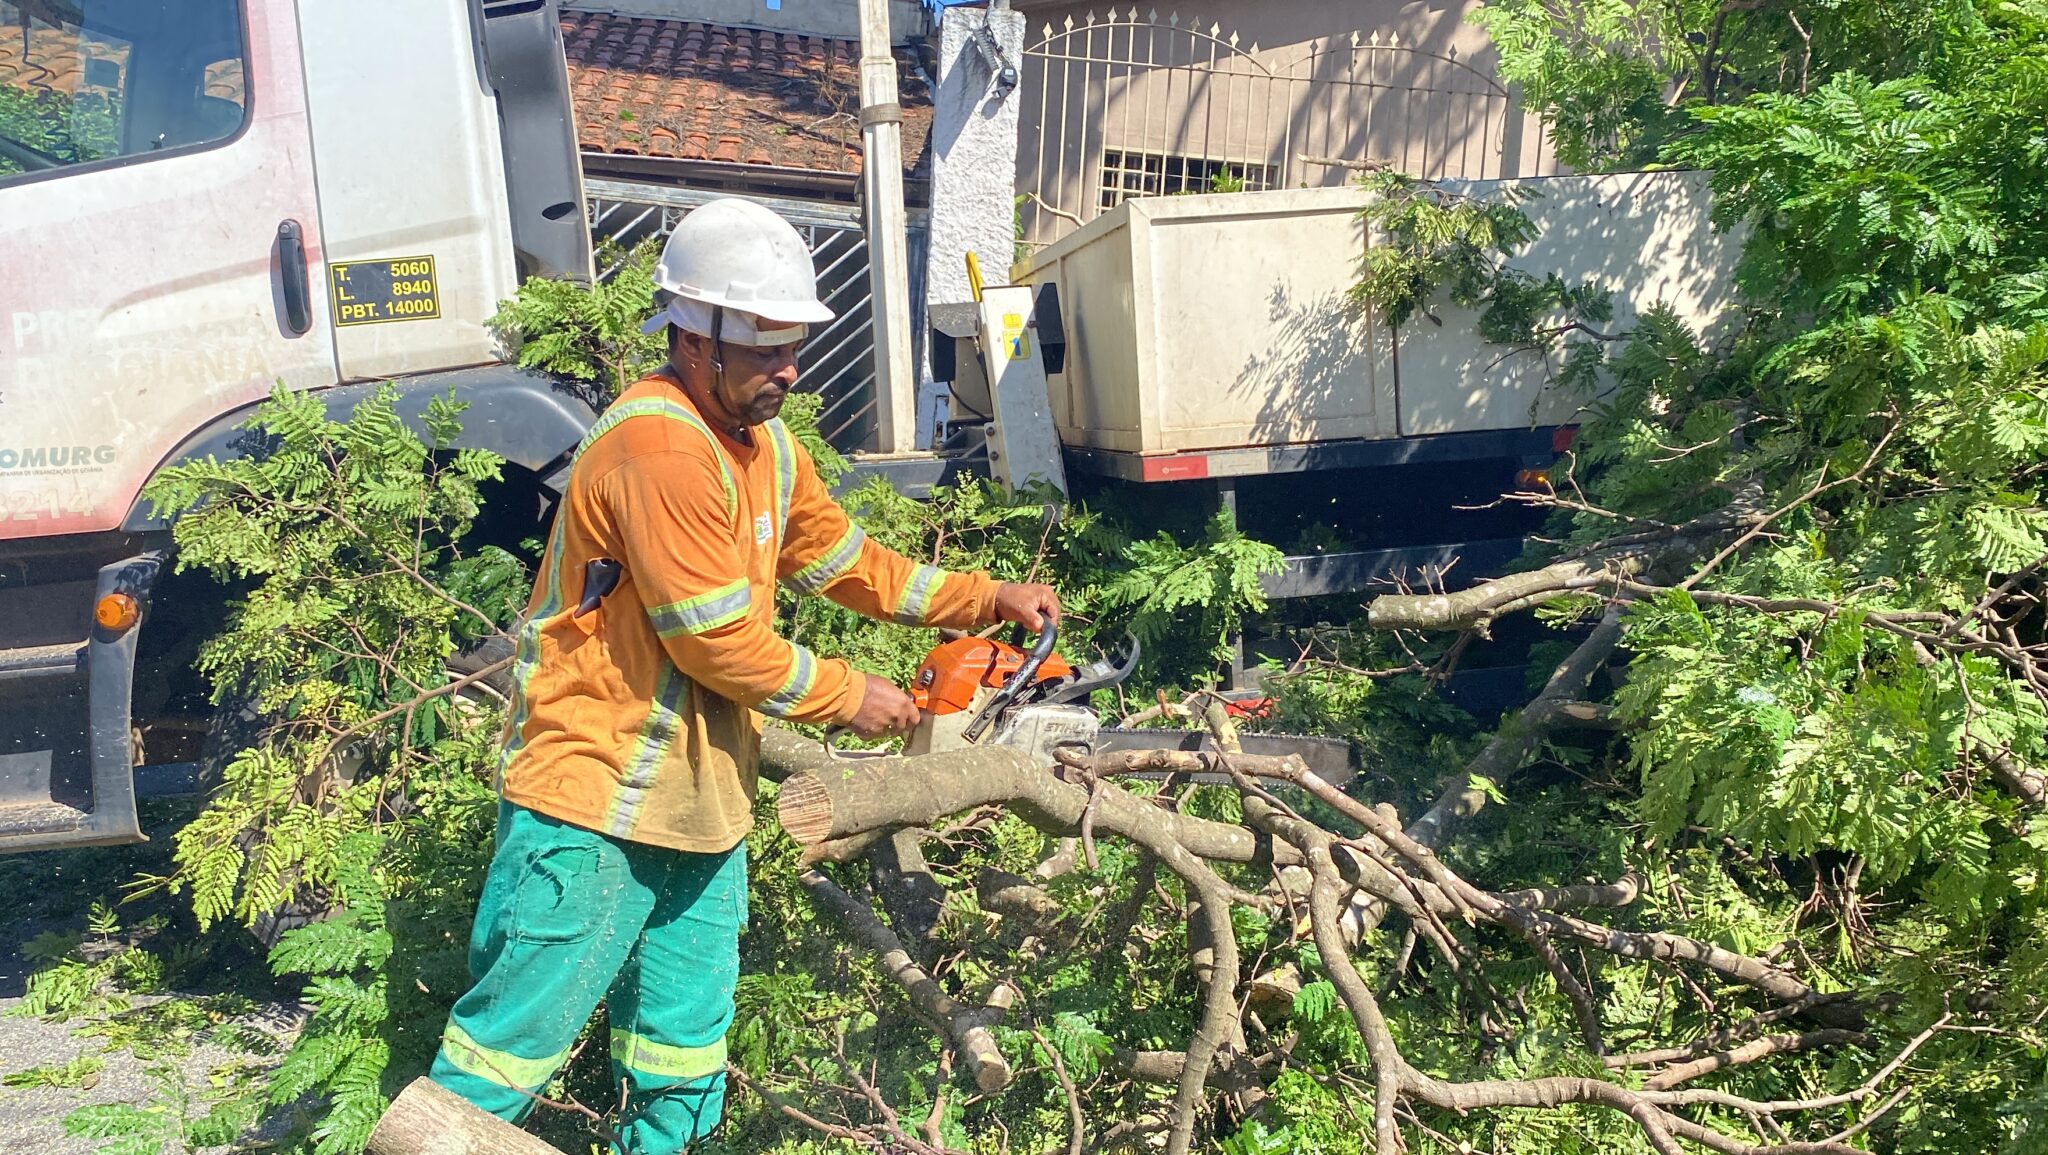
x=1014, y=339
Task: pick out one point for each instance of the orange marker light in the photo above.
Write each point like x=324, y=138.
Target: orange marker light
x=117, y=612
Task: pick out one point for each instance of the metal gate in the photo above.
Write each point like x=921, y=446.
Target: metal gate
x=838, y=359
x=1143, y=106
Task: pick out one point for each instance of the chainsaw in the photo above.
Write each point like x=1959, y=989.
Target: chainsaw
x=980, y=691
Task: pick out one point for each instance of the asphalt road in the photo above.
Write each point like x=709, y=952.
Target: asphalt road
x=53, y=892
x=32, y=1119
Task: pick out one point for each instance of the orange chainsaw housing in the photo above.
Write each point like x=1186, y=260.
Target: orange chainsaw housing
x=954, y=672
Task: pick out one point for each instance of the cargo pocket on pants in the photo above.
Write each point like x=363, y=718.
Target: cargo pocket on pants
x=566, y=895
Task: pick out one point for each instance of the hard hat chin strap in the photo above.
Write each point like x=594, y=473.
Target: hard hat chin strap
x=718, y=344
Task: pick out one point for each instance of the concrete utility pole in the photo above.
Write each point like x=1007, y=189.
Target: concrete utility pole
x=881, y=131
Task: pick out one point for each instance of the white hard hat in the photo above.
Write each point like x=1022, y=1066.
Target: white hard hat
x=736, y=255
x=728, y=325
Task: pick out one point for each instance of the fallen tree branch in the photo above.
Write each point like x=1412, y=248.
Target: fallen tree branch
x=1504, y=754
x=1076, y=1121
x=1001, y=893
x=791, y=1111
x=1236, y=1075
x=1475, y=608
x=825, y=798
x=1756, y=529
x=904, y=882
x=1621, y=892
x=966, y=1028
x=2028, y=785
x=1112, y=763
x=427, y=1118
x=1750, y=1052
x=1719, y=1040
x=1617, y=558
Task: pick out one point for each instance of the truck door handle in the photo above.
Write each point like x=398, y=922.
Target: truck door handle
x=298, y=293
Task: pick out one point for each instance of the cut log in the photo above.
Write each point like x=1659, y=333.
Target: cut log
x=825, y=798
x=429, y=1119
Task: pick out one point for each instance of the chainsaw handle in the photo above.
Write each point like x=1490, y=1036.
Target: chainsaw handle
x=1048, y=637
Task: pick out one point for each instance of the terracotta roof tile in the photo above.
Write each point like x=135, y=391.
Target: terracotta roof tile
x=706, y=91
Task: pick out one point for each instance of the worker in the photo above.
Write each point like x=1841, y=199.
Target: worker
x=646, y=661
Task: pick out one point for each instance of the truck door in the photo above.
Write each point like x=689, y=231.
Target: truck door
x=159, y=248
x=159, y=241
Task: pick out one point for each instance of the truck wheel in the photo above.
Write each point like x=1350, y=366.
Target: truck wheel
x=493, y=654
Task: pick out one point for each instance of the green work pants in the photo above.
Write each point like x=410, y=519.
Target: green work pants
x=569, y=917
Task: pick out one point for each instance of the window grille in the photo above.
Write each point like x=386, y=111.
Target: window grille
x=1128, y=173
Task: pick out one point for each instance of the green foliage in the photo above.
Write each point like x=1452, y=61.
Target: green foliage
x=65, y=129
x=589, y=335
x=1616, y=80
x=349, y=532
x=168, y=1123
x=89, y=976
x=1888, y=391
x=1183, y=597
x=1440, y=242
x=1162, y=588
x=82, y=1071
x=1080, y=1043
x=362, y=789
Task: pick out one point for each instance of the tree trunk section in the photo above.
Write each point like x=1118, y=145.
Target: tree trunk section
x=826, y=798
x=429, y=1119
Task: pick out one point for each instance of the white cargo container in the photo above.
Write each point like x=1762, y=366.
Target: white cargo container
x=1223, y=321
x=1210, y=321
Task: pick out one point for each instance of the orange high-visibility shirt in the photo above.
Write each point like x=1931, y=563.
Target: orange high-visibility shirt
x=638, y=720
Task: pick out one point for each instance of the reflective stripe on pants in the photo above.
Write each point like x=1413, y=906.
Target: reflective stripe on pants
x=570, y=917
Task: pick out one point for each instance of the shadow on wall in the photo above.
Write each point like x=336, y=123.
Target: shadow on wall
x=1643, y=237
x=1317, y=366
x=1239, y=330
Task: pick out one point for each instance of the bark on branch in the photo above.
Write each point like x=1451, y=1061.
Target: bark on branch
x=1618, y=559
x=428, y=1119
x=1750, y=1052
x=825, y=798
x=967, y=1028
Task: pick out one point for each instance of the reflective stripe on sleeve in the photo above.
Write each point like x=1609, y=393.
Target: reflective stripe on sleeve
x=832, y=565
x=707, y=611
x=917, y=595
x=803, y=675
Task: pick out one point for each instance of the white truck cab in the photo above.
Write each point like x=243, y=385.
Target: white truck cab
x=200, y=199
